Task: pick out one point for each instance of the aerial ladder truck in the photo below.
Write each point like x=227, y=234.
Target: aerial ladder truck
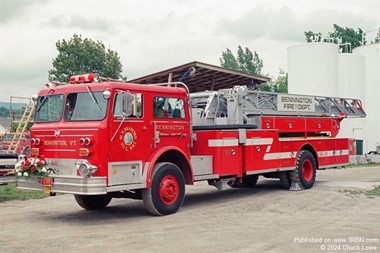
x=148, y=141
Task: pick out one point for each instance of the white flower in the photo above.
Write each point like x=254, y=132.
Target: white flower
x=26, y=174
x=44, y=170
x=42, y=162
x=19, y=174
x=18, y=164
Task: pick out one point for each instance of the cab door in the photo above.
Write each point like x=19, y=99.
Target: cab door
x=129, y=133
x=130, y=140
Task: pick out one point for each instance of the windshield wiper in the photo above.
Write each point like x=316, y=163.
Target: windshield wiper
x=93, y=97
x=43, y=101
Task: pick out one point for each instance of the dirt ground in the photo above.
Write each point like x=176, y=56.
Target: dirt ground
x=329, y=217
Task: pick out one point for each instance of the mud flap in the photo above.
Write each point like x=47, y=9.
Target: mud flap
x=295, y=187
x=295, y=183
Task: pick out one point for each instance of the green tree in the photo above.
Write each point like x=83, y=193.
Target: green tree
x=347, y=35
x=377, y=39
x=266, y=87
x=228, y=60
x=339, y=35
x=313, y=37
x=79, y=56
x=281, y=85
x=246, y=61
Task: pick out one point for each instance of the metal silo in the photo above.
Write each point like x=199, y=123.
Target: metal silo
x=312, y=69
x=371, y=102
x=351, y=84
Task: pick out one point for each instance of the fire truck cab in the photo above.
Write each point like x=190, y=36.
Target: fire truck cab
x=109, y=139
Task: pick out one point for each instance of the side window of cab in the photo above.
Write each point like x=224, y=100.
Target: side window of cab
x=136, y=105
x=164, y=107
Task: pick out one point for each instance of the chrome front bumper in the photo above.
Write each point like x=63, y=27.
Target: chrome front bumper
x=68, y=184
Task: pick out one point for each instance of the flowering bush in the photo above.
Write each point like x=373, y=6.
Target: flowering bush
x=32, y=167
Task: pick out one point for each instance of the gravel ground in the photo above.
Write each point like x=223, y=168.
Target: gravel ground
x=332, y=216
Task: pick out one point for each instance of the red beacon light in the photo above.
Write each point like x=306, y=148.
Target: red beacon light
x=87, y=78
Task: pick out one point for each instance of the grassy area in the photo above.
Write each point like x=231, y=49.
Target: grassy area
x=9, y=192
x=374, y=192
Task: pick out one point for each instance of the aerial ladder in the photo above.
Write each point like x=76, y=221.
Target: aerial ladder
x=21, y=127
x=241, y=107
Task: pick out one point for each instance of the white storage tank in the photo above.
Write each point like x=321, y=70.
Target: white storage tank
x=351, y=75
x=312, y=69
x=372, y=94
x=351, y=84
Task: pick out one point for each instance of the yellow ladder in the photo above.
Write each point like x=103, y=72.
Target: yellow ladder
x=21, y=128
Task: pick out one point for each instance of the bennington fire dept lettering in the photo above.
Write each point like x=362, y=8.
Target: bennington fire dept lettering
x=128, y=138
x=295, y=103
x=170, y=127
x=55, y=143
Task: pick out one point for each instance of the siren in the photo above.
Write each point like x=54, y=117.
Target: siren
x=87, y=78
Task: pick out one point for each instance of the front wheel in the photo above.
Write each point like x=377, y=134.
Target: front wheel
x=167, y=192
x=92, y=202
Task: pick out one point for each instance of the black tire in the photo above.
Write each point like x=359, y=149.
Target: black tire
x=92, y=202
x=250, y=181
x=167, y=191
x=285, y=181
x=305, y=171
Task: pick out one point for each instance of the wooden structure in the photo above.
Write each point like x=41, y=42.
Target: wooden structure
x=206, y=77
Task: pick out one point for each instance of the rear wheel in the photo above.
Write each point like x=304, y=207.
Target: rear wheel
x=167, y=191
x=305, y=171
x=92, y=202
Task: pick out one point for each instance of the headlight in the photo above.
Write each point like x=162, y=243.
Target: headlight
x=85, y=168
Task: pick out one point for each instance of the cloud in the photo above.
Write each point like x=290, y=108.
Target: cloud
x=250, y=26
x=81, y=22
x=10, y=9
x=284, y=24
x=150, y=36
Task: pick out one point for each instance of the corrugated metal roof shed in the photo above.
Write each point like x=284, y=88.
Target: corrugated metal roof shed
x=207, y=77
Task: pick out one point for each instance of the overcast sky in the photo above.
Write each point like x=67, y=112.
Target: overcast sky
x=153, y=35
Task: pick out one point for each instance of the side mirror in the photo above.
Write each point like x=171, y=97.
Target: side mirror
x=127, y=104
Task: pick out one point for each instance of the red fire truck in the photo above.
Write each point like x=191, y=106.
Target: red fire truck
x=107, y=139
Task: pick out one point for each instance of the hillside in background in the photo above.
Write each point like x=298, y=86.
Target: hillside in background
x=5, y=105
x=5, y=108
x=15, y=106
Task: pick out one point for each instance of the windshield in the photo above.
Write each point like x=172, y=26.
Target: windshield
x=49, y=108
x=82, y=106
